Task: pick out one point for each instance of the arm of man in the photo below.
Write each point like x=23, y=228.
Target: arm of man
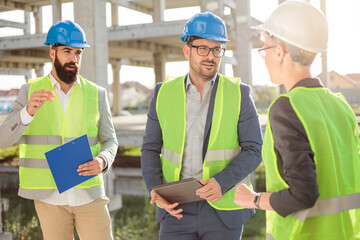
x=250, y=141
x=107, y=139
x=22, y=113
x=151, y=147
x=150, y=158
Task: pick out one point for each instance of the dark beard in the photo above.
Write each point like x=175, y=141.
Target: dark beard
x=66, y=76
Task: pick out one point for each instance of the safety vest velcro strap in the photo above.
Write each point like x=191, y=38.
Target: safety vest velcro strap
x=172, y=156
x=330, y=206
x=92, y=140
x=33, y=163
x=245, y=181
x=269, y=237
x=41, y=139
x=222, y=155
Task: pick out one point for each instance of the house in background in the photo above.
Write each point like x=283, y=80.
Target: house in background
x=348, y=85
x=355, y=77
x=337, y=81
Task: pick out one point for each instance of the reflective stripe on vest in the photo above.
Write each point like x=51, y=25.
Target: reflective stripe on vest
x=330, y=206
x=51, y=140
x=223, y=141
x=51, y=128
x=335, y=143
x=211, y=155
x=33, y=163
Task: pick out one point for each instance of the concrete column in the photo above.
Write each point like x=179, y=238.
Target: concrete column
x=56, y=10
x=91, y=16
x=159, y=62
x=159, y=8
x=39, y=70
x=114, y=14
x=243, y=42
x=222, y=67
x=281, y=87
x=215, y=6
x=28, y=75
x=27, y=22
x=38, y=20
x=116, y=89
x=324, y=73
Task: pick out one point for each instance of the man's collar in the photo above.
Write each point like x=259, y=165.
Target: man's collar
x=188, y=81
x=54, y=81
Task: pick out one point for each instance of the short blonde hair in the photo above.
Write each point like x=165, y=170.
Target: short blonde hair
x=299, y=55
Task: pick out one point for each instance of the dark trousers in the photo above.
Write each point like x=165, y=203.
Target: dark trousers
x=200, y=222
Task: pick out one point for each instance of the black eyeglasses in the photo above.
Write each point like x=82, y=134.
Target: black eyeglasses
x=262, y=52
x=204, y=51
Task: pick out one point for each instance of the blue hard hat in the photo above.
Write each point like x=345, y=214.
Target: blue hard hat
x=67, y=33
x=205, y=25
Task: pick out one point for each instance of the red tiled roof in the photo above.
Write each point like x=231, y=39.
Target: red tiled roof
x=353, y=76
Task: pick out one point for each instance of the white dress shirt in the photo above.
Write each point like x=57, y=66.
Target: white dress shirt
x=73, y=196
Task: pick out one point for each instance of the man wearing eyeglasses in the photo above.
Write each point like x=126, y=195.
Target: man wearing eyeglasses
x=202, y=125
x=311, y=145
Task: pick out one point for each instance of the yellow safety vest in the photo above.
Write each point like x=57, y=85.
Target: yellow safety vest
x=51, y=128
x=223, y=144
x=335, y=142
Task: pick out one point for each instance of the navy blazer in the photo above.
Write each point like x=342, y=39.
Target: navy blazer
x=250, y=140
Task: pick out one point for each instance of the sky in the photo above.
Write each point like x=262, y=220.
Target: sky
x=343, y=50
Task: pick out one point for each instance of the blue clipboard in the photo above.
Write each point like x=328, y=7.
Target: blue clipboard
x=65, y=160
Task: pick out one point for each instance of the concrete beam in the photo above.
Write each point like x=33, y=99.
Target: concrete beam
x=129, y=62
x=132, y=5
x=17, y=65
x=149, y=30
x=148, y=46
x=30, y=53
x=12, y=5
x=4, y=23
x=13, y=71
x=26, y=41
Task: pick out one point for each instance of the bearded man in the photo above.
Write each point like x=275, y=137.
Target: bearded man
x=50, y=111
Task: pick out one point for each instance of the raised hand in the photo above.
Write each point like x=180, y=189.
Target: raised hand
x=37, y=100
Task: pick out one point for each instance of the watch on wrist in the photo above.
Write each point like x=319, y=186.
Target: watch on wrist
x=257, y=200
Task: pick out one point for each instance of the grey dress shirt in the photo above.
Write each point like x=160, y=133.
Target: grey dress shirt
x=196, y=113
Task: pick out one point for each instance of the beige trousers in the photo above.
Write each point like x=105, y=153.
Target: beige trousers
x=91, y=220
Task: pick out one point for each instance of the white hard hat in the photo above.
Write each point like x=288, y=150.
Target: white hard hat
x=300, y=24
